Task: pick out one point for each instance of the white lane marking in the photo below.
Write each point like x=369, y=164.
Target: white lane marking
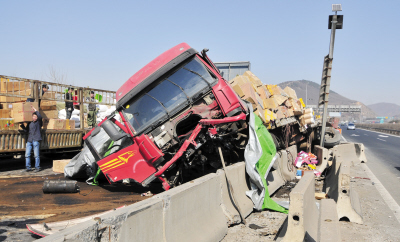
x=380, y=133
x=366, y=134
x=344, y=139
x=392, y=204
x=381, y=139
x=354, y=135
x=383, y=136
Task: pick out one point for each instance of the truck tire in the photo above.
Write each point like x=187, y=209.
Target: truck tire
x=332, y=139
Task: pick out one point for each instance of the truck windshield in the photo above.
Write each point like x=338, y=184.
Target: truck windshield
x=172, y=94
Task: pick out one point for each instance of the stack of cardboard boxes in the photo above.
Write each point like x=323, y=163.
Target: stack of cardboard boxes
x=15, y=110
x=269, y=102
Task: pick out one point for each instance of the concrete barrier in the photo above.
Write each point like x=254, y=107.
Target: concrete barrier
x=353, y=152
x=274, y=181
x=190, y=212
x=329, y=227
x=283, y=169
x=237, y=173
x=303, y=212
x=338, y=187
x=322, y=156
x=285, y=163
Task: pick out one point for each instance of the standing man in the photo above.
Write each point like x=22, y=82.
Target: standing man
x=44, y=90
x=69, y=106
x=92, y=111
x=34, y=137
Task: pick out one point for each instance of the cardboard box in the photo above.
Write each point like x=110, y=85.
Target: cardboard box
x=284, y=111
x=11, y=87
x=22, y=117
x=260, y=102
x=5, y=99
x=269, y=115
x=70, y=124
x=306, y=121
x=49, y=114
x=306, y=116
x=24, y=107
x=279, y=99
x=288, y=103
x=279, y=114
x=5, y=113
x=239, y=80
x=263, y=92
x=48, y=103
x=253, y=78
x=6, y=106
x=27, y=92
x=296, y=105
x=270, y=103
x=54, y=107
x=260, y=113
x=56, y=124
x=290, y=92
x=290, y=112
x=59, y=165
x=253, y=102
x=49, y=94
x=307, y=111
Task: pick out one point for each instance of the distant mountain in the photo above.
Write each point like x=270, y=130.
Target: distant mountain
x=386, y=109
x=309, y=91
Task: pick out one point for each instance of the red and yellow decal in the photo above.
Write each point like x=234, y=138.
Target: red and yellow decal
x=121, y=160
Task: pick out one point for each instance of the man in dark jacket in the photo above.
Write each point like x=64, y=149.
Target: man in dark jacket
x=69, y=106
x=34, y=137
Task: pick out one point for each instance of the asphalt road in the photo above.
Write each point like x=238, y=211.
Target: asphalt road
x=383, y=155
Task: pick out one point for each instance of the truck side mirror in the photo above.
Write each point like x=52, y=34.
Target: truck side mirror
x=110, y=129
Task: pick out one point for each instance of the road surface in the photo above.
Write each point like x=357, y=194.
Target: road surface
x=383, y=155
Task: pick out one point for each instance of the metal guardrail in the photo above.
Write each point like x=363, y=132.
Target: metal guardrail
x=377, y=127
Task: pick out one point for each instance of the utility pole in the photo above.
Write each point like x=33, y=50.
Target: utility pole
x=335, y=22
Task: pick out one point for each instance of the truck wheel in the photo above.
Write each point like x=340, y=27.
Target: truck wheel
x=332, y=139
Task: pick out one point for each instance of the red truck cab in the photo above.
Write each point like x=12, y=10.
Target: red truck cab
x=172, y=111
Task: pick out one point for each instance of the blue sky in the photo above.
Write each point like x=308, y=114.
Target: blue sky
x=102, y=43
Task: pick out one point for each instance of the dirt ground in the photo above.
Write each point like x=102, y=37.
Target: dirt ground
x=380, y=224
x=22, y=200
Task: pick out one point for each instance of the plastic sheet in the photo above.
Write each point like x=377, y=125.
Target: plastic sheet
x=260, y=155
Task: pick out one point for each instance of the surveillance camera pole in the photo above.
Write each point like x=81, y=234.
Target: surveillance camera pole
x=326, y=75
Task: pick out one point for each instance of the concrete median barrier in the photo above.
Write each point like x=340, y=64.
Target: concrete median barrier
x=285, y=162
x=302, y=223
x=338, y=187
x=322, y=156
x=274, y=181
x=240, y=186
x=353, y=152
x=190, y=212
x=283, y=169
x=329, y=227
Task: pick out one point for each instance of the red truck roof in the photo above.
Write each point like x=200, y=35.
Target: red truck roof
x=152, y=71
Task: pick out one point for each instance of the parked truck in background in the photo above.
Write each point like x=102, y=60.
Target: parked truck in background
x=55, y=141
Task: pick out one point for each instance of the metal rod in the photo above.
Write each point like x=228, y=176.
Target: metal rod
x=327, y=78
x=230, y=188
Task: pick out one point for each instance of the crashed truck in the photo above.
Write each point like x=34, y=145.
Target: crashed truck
x=172, y=118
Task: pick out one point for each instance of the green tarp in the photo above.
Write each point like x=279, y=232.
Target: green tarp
x=263, y=164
